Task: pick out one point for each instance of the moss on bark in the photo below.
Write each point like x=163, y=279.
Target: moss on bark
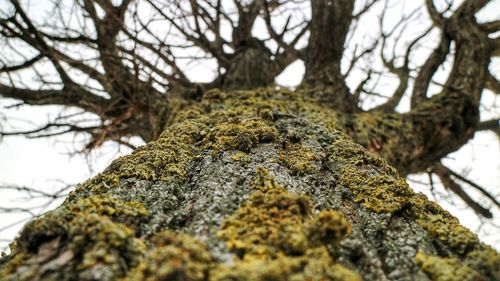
x=193, y=206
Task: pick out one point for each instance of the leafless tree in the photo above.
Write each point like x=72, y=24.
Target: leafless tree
x=118, y=65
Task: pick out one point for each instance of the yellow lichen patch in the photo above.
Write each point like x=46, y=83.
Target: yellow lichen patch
x=446, y=269
x=90, y=229
x=270, y=223
x=442, y=225
x=237, y=120
x=379, y=193
x=110, y=206
x=12, y=266
x=276, y=237
x=346, y=151
x=101, y=241
x=266, y=104
x=327, y=228
x=62, y=218
x=163, y=159
x=264, y=181
x=314, y=265
x=299, y=159
x=241, y=105
x=242, y=136
x=486, y=261
x=385, y=191
x=240, y=156
x=173, y=256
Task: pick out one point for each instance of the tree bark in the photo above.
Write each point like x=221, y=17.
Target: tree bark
x=249, y=185
x=330, y=21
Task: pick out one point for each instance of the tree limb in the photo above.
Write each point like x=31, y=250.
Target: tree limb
x=428, y=69
x=443, y=173
x=492, y=84
x=329, y=26
x=65, y=96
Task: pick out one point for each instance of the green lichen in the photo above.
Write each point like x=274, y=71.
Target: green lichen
x=442, y=225
x=377, y=187
x=351, y=155
x=110, y=206
x=164, y=159
x=374, y=130
x=379, y=193
x=486, y=261
x=382, y=192
x=299, y=159
x=12, y=266
x=173, y=256
x=327, y=228
x=240, y=156
x=220, y=121
x=276, y=237
x=385, y=191
x=91, y=234
x=446, y=269
x=241, y=136
x=389, y=135
x=267, y=104
x=314, y=265
x=104, y=242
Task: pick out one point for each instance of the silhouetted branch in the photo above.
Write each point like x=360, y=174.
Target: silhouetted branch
x=35, y=202
x=492, y=84
x=427, y=71
x=445, y=176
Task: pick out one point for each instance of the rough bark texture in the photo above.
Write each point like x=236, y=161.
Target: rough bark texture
x=250, y=185
x=330, y=21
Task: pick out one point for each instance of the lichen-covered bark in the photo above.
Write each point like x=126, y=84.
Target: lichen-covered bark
x=426, y=134
x=249, y=185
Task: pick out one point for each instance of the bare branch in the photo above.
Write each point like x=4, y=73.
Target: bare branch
x=428, y=69
x=403, y=73
x=491, y=27
x=492, y=124
x=474, y=185
x=495, y=47
x=443, y=173
x=492, y=84
x=23, y=65
x=66, y=96
x=357, y=57
x=42, y=131
x=365, y=9
x=436, y=16
x=360, y=88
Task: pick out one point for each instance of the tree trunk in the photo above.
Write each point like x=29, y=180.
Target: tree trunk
x=249, y=185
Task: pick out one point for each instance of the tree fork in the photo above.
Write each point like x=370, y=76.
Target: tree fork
x=329, y=26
